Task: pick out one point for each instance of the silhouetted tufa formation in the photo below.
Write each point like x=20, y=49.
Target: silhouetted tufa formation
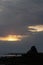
x=32, y=57
x=32, y=51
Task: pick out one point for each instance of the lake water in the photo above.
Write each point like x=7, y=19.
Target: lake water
x=11, y=47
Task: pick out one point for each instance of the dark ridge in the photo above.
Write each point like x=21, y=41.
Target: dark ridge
x=32, y=57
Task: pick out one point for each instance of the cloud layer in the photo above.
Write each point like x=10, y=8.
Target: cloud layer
x=22, y=17
x=16, y=15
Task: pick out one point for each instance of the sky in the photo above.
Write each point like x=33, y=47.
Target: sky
x=23, y=18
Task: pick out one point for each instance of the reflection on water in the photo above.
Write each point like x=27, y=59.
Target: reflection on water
x=9, y=55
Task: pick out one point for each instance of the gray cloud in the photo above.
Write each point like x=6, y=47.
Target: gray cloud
x=17, y=15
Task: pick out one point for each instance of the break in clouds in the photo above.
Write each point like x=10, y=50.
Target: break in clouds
x=22, y=17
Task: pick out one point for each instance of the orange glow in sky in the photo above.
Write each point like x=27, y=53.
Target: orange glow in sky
x=11, y=38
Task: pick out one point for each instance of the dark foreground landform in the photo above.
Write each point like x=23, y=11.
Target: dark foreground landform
x=32, y=57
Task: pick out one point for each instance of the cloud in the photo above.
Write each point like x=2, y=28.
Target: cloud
x=36, y=28
x=1, y=8
x=16, y=16
x=13, y=38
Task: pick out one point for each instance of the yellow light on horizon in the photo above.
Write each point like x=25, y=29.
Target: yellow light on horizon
x=11, y=38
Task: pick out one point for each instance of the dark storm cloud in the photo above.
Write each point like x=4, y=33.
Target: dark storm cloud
x=16, y=15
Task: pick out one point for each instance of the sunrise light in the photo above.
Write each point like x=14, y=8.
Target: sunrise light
x=11, y=38
x=35, y=28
